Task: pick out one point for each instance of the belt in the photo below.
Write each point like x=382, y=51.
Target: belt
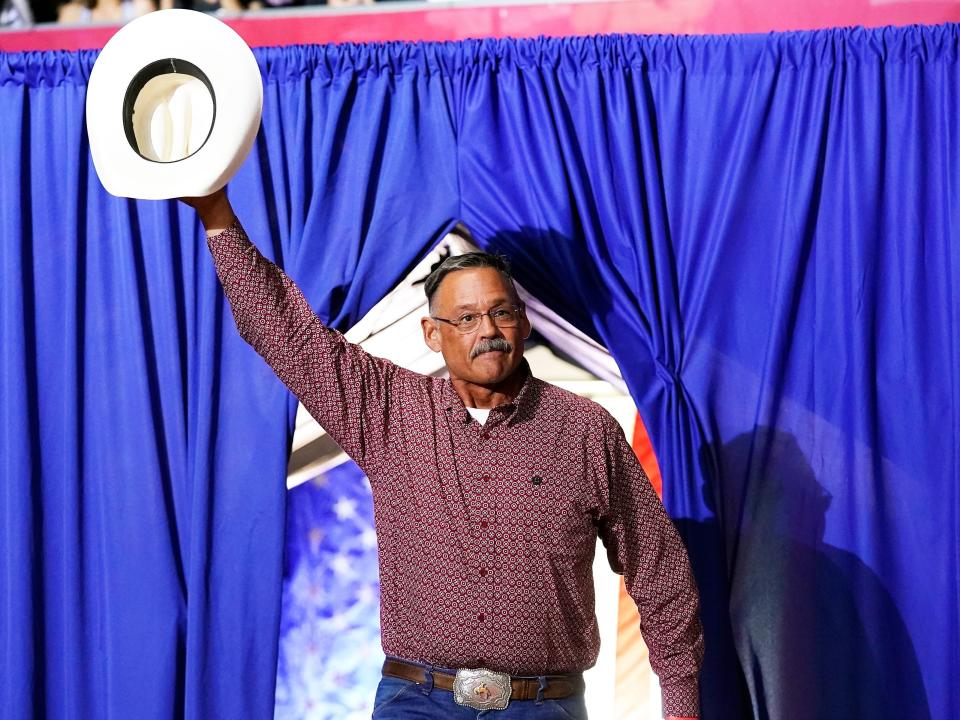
x=485, y=689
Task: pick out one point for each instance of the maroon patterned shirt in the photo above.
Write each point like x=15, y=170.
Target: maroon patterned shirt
x=486, y=534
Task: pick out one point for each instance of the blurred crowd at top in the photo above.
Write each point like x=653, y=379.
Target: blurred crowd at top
x=22, y=14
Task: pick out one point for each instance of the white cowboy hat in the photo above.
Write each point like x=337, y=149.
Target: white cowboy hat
x=173, y=106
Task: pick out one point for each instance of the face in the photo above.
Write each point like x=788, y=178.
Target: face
x=474, y=291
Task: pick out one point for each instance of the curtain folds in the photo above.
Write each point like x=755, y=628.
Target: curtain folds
x=761, y=229
x=143, y=445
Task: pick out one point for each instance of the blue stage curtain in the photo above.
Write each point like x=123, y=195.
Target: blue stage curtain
x=761, y=229
x=765, y=232
x=143, y=444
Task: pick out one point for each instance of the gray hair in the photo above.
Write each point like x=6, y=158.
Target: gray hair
x=468, y=261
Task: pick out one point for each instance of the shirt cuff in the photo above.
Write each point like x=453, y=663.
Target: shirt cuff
x=231, y=235
x=681, y=697
x=228, y=247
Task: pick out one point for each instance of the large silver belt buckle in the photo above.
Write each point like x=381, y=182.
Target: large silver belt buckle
x=482, y=689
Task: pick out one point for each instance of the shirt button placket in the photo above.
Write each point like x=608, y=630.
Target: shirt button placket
x=485, y=547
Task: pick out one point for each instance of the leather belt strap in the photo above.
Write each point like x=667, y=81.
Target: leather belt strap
x=558, y=686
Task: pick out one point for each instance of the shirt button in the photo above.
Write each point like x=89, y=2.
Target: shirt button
x=484, y=524
x=484, y=435
x=481, y=617
x=483, y=572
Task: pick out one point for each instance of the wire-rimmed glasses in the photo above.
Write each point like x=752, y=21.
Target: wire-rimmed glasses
x=504, y=316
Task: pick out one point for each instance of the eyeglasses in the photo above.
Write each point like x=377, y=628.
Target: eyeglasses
x=502, y=317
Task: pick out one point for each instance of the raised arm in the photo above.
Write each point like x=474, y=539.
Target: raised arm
x=344, y=388
x=643, y=545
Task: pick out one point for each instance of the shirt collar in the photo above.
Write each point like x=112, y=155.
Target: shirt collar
x=512, y=411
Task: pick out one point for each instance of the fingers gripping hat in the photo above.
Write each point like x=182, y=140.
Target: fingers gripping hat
x=173, y=106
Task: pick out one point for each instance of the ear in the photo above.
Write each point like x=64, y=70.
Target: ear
x=431, y=333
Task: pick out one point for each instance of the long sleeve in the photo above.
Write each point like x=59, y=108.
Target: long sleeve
x=344, y=388
x=644, y=546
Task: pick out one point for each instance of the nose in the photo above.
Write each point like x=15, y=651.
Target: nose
x=488, y=328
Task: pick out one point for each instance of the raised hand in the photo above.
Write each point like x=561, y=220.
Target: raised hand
x=214, y=210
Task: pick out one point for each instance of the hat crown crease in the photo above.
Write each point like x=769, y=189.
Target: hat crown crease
x=175, y=116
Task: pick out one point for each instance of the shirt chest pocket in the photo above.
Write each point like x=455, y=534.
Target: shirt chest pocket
x=548, y=513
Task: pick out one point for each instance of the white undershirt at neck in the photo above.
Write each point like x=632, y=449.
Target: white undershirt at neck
x=479, y=414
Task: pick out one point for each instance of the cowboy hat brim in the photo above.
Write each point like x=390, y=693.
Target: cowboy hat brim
x=166, y=47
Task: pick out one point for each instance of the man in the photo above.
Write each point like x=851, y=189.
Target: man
x=489, y=489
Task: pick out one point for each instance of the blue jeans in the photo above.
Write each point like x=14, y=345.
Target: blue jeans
x=405, y=700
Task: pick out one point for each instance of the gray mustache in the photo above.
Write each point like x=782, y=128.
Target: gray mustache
x=490, y=345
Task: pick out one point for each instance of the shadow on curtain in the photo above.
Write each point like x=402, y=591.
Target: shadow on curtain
x=809, y=616
x=761, y=229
